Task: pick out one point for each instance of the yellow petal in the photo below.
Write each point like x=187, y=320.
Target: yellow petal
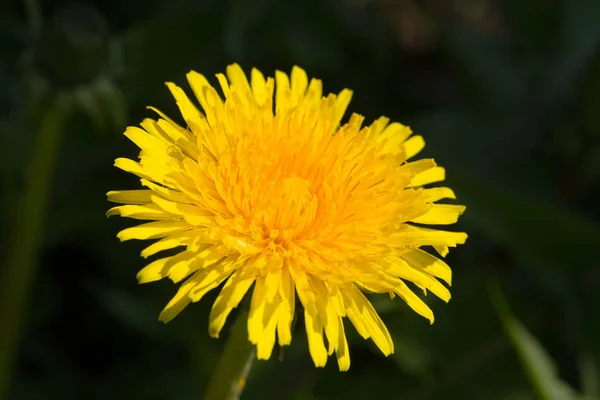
x=441, y=214
x=230, y=296
x=342, y=352
x=132, y=167
x=282, y=92
x=430, y=264
x=419, y=277
x=177, y=303
x=129, y=196
x=286, y=310
x=374, y=325
x=264, y=346
x=192, y=214
x=432, y=175
x=187, y=108
x=224, y=84
x=392, y=137
x=315, y=89
x=153, y=230
x=314, y=333
x=418, y=236
x=166, y=243
x=146, y=211
x=209, y=278
x=413, y=146
x=413, y=301
x=341, y=104
x=438, y=193
x=145, y=141
x=257, y=308
x=166, y=193
x=299, y=84
x=160, y=268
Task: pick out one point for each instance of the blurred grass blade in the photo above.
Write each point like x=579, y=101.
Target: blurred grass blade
x=590, y=378
x=19, y=271
x=234, y=364
x=539, y=367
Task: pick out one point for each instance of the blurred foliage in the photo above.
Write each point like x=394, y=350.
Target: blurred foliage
x=507, y=95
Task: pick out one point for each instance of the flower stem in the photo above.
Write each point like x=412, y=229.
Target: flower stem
x=20, y=267
x=234, y=364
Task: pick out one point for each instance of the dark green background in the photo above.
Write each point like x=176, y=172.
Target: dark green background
x=507, y=96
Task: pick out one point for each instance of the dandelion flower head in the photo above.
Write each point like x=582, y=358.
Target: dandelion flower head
x=265, y=190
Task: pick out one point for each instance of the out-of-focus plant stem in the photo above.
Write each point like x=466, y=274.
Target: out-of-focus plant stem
x=19, y=269
x=234, y=364
x=34, y=15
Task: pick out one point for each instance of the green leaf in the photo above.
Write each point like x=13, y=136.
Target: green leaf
x=538, y=365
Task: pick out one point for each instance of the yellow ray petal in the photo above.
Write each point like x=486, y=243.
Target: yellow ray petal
x=237, y=77
x=314, y=333
x=354, y=314
x=160, y=268
x=145, y=141
x=413, y=301
x=169, y=120
x=299, y=84
x=166, y=193
x=224, y=84
x=181, y=138
x=434, y=194
x=145, y=211
x=230, y=296
x=372, y=322
x=167, y=243
x=341, y=104
x=441, y=250
x=418, y=236
x=177, y=303
x=199, y=84
x=257, y=308
x=192, y=214
x=265, y=344
x=132, y=167
x=205, y=257
x=342, y=352
x=209, y=278
x=395, y=132
x=286, y=310
x=435, y=174
x=326, y=314
x=153, y=230
x=187, y=108
x=315, y=89
x=430, y=264
x=419, y=277
x=441, y=214
x=129, y=196
x=413, y=146
x=282, y=92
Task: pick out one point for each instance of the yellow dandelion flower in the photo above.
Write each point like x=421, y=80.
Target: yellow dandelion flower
x=267, y=187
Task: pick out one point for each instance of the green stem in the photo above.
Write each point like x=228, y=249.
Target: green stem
x=20, y=268
x=234, y=364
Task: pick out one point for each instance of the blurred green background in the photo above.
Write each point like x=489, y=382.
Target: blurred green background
x=506, y=94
